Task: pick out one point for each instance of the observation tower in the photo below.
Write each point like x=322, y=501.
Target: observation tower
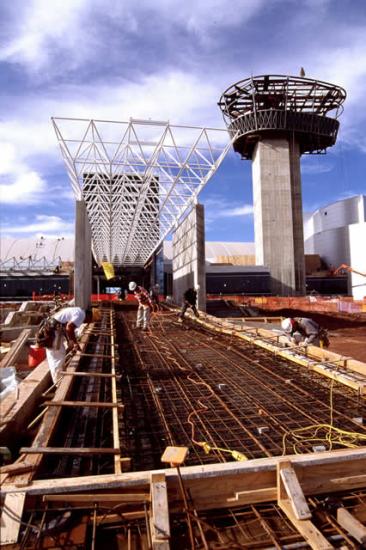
x=273, y=120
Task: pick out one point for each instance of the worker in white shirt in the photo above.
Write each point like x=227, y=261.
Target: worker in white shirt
x=58, y=336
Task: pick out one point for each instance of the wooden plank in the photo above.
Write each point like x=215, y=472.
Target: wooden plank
x=13, y=504
x=15, y=414
x=11, y=358
x=306, y=528
x=212, y=485
x=289, y=488
x=97, y=404
x=70, y=450
x=94, y=355
x=160, y=528
x=350, y=480
x=352, y=525
x=16, y=468
x=49, y=421
x=99, y=497
x=116, y=518
x=115, y=422
x=91, y=374
x=174, y=455
x=252, y=497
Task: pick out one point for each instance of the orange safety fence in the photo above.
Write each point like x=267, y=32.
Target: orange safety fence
x=329, y=304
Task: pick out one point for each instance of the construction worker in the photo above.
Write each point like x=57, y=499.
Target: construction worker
x=154, y=295
x=189, y=300
x=57, y=335
x=145, y=305
x=301, y=330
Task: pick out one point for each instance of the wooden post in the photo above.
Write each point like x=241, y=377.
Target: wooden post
x=16, y=349
x=10, y=517
x=292, y=502
x=160, y=528
x=351, y=525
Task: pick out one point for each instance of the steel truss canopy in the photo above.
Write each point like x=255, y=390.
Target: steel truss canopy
x=137, y=178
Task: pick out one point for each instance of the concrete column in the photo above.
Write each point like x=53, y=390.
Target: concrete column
x=189, y=266
x=83, y=263
x=200, y=260
x=278, y=220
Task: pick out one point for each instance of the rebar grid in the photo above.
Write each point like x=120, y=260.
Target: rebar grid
x=205, y=389
x=86, y=427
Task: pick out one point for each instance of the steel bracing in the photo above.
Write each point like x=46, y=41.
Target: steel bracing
x=137, y=178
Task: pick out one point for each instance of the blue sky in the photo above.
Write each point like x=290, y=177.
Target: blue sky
x=166, y=60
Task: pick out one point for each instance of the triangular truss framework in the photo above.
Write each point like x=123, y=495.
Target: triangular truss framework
x=137, y=178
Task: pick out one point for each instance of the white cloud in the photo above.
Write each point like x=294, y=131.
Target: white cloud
x=246, y=210
x=39, y=27
x=74, y=31
x=7, y=158
x=165, y=96
x=217, y=206
x=28, y=188
x=314, y=165
x=53, y=226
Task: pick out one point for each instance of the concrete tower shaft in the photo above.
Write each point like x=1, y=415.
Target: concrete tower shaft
x=273, y=120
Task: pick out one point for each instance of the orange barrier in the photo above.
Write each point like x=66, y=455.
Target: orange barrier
x=345, y=304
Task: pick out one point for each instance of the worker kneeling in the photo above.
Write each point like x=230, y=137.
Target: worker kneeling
x=57, y=335
x=302, y=330
x=145, y=305
x=189, y=301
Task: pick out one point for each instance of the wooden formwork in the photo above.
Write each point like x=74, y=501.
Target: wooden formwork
x=288, y=481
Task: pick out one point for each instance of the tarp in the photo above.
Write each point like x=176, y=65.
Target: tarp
x=108, y=270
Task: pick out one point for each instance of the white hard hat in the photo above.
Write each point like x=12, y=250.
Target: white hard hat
x=132, y=285
x=286, y=325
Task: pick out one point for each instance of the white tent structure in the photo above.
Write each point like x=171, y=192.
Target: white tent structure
x=137, y=179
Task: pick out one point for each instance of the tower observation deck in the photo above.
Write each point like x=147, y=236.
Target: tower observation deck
x=273, y=120
x=273, y=105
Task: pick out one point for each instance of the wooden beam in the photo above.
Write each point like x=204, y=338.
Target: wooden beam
x=70, y=450
x=91, y=374
x=352, y=525
x=15, y=414
x=48, y=424
x=116, y=518
x=306, y=528
x=99, y=497
x=289, y=489
x=97, y=404
x=16, y=468
x=10, y=517
x=212, y=484
x=115, y=420
x=94, y=355
x=160, y=528
x=11, y=358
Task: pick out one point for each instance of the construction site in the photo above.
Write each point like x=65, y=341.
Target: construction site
x=211, y=430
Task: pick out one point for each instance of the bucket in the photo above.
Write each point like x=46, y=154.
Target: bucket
x=35, y=356
x=97, y=314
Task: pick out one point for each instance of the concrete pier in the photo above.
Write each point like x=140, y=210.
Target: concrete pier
x=83, y=258
x=278, y=224
x=189, y=268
